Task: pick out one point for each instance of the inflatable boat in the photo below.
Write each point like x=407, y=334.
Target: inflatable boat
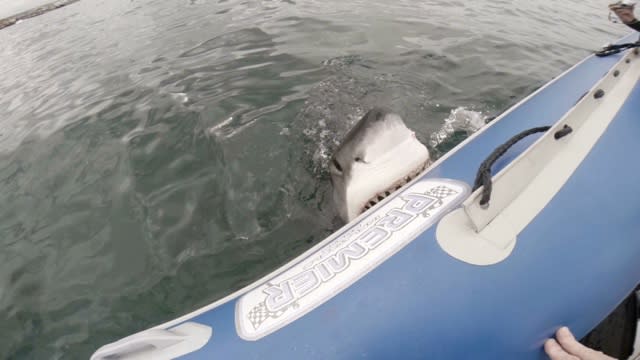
x=530, y=224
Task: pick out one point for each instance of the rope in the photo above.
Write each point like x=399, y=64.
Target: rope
x=483, y=176
x=614, y=49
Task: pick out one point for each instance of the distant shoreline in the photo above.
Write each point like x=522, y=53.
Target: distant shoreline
x=11, y=20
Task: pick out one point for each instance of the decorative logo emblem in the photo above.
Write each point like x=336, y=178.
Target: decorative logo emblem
x=345, y=257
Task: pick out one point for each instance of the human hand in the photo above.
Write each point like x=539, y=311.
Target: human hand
x=624, y=12
x=566, y=347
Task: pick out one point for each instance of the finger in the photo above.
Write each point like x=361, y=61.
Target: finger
x=572, y=346
x=556, y=352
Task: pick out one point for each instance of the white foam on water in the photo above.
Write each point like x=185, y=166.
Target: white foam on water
x=459, y=118
x=179, y=97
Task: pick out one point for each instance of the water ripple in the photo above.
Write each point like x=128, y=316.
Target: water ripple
x=157, y=155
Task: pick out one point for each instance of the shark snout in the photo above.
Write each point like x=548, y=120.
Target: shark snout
x=378, y=156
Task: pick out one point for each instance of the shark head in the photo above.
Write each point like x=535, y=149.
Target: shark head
x=378, y=156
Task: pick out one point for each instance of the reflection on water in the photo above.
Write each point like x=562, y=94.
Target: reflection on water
x=155, y=156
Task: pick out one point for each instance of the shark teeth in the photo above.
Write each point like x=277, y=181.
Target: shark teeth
x=394, y=187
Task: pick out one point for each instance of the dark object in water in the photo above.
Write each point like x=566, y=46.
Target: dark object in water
x=34, y=12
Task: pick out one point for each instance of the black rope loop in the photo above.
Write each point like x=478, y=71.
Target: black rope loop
x=614, y=49
x=483, y=176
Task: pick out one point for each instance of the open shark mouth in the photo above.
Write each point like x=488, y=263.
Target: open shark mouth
x=394, y=187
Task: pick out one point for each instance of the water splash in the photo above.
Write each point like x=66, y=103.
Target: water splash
x=460, y=120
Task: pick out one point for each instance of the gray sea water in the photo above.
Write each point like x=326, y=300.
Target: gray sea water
x=158, y=155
